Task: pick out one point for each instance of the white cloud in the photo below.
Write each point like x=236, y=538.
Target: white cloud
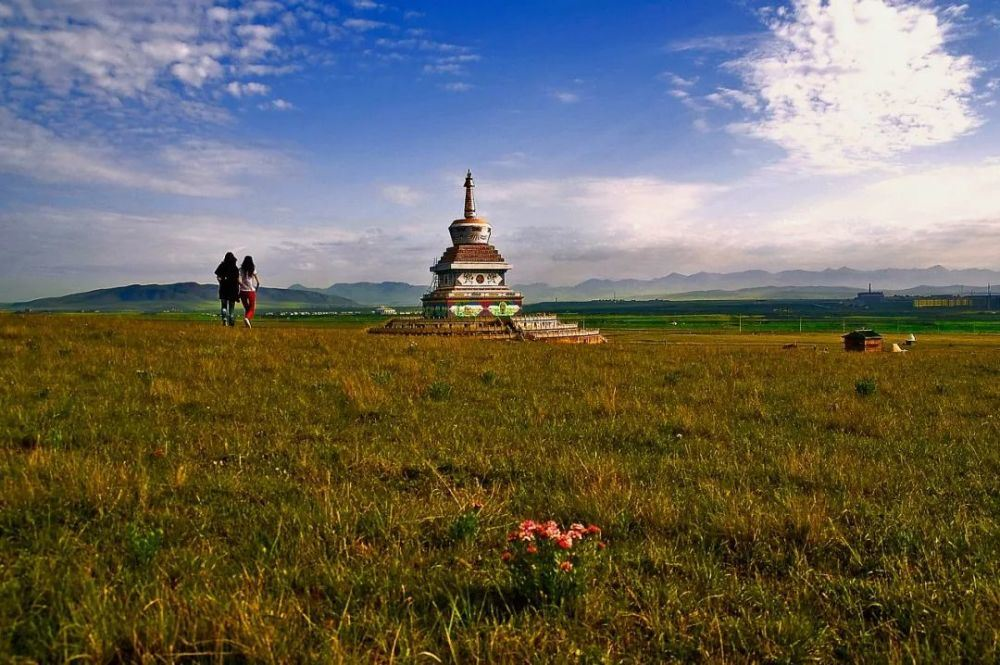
x=444, y=68
x=220, y=14
x=849, y=84
x=257, y=40
x=565, y=96
x=107, y=50
x=237, y=89
x=363, y=24
x=365, y=4
x=276, y=105
x=68, y=250
x=403, y=195
x=678, y=81
x=196, y=73
x=457, y=86
x=688, y=100
x=728, y=98
x=625, y=212
x=439, y=58
x=564, y=230
x=516, y=159
x=723, y=43
x=192, y=168
x=923, y=200
x=450, y=64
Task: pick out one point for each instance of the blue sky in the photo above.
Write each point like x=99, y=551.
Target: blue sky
x=140, y=141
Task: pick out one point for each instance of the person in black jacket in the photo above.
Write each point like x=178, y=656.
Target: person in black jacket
x=228, y=274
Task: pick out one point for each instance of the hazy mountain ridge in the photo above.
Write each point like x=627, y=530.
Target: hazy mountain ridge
x=181, y=295
x=372, y=293
x=839, y=284
x=832, y=282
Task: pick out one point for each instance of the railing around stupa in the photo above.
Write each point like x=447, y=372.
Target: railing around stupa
x=542, y=327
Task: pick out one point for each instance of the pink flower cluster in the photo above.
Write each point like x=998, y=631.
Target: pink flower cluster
x=530, y=531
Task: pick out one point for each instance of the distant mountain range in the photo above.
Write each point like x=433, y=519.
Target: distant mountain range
x=183, y=296
x=752, y=284
x=835, y=284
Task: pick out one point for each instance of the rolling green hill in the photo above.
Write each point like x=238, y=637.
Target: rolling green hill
x=182, y=296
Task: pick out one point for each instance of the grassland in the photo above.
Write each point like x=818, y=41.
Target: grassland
x=172, y=489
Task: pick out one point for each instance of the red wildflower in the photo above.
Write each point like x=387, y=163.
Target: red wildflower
x=566, y=566
x=526, y=530
x=601, y=546
x=593, y=530
x=531, y=549
x=564, y=542
x=506, y=556
x=549, y=530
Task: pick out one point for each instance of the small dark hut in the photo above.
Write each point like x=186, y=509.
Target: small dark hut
x=864, y=341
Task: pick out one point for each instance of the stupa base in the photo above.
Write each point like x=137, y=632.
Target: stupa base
x=491, y=328
x=529, y=328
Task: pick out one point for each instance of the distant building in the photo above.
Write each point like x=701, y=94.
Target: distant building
x=864, y=341
x=870, y=297
x=943, y=301
x=382, y=310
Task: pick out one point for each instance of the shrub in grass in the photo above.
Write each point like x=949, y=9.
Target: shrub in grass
x=439, y=391
x=550, y=566
x=464, y=528
x=489, y=378
x=381, y=377
x=865, y=387
x=143, y=543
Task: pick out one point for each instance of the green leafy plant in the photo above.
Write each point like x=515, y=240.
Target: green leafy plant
x=439, y=391
x=865, y=387
x=465, y=527
x=143, y=543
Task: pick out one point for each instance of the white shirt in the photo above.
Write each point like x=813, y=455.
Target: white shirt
x=247, y=281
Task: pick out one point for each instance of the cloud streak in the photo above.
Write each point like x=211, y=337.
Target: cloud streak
x=191, y=168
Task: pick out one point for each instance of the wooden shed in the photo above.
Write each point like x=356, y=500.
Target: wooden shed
x=862, y=340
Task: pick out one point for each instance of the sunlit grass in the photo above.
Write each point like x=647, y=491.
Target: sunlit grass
x=302, y=493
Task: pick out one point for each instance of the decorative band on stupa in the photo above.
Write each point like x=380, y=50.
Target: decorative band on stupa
x=470, y=278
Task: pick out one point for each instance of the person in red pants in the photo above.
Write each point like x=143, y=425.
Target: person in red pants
x=249, y=283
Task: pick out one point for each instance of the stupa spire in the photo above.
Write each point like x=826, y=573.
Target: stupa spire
x=470, y=200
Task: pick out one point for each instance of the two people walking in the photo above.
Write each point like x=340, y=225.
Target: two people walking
x=237, y=282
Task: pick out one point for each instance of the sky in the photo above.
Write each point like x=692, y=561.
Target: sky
x=140, y=141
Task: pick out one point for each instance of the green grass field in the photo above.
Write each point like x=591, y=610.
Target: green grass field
x=171, y=490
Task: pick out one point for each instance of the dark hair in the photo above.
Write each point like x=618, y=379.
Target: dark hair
x=248, y=268
x=230, y=259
